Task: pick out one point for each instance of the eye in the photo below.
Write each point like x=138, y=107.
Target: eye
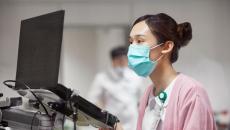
x=130, y=40
x=140, y=40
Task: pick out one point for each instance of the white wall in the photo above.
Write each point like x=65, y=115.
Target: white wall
x=85, y=51
x=206, y=58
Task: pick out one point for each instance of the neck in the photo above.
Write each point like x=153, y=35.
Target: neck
x=162, y=76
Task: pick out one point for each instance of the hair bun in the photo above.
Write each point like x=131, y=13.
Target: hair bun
x=184, y=33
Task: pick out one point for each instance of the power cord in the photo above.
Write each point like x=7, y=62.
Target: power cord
x=63, y=119
x=27, y=86
x=75, y=112
x=74, y=109
x=63, y=122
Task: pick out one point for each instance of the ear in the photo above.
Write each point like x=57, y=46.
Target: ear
x=167, y=47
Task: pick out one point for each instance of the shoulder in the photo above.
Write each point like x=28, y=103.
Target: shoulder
x=190, y=90
x=101, y=76
x=189, y=85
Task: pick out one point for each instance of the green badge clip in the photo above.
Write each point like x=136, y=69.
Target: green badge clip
x=162, y=96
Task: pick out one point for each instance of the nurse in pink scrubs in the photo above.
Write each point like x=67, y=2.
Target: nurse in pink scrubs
x=174, y=101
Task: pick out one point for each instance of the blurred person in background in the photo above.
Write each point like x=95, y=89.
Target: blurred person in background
x=223, y=120
x=117, y=89
x=175, y=101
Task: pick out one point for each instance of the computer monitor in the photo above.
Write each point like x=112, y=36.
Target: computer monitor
x=39, y=50
x=38, y=66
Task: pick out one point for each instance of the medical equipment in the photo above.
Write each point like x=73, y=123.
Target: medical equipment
x=48, y=103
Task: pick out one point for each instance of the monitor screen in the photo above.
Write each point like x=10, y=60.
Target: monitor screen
x=39, y=50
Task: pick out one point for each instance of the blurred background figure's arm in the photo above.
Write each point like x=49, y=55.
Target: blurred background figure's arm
x=96, y=92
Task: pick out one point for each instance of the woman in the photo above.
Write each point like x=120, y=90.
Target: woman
x=174, y=101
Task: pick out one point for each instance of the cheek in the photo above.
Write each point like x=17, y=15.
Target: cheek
x=124, y=63
x=154, y=54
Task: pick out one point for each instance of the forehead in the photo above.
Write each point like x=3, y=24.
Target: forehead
x=140, y=28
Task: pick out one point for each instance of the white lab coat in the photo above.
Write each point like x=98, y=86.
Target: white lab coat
x=120, y=93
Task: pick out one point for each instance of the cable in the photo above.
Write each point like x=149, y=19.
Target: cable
x=13, y=87
x=74, y=109
x=75, y=120
x=75, y=112
x=31, y=126
x=63, y=119
x=63, y=122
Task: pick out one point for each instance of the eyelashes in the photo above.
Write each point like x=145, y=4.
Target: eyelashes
x=136, y=41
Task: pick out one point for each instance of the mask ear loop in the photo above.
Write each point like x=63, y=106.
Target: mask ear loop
x=154, y=48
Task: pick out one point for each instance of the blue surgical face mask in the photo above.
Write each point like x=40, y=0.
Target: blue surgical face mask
x=139, y=60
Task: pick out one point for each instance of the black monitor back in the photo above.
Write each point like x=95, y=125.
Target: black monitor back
x=39, y=50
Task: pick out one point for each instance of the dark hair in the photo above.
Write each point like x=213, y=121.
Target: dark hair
x=118, y=51
x=165, y=28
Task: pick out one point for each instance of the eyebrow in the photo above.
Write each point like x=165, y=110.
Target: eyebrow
x=138, y=35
